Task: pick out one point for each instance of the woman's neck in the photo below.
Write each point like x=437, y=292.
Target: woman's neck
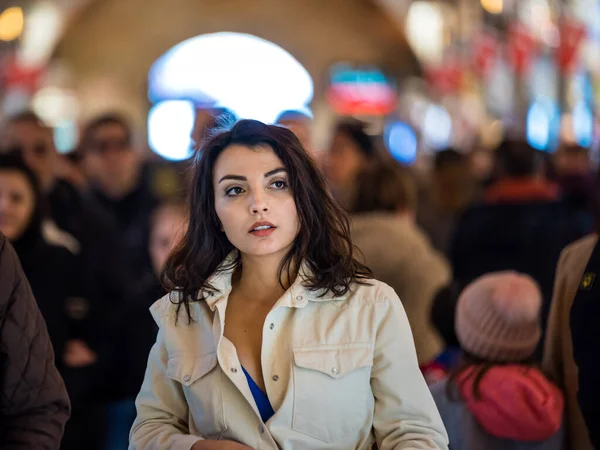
x=259, y=278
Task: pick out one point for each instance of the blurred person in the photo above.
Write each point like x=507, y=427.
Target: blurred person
x=570, y=353
x=518, y=176
x=497, y=398
x=520, y=225
x=301, y=125
x=121, y=183
x=74, y=219
x=352, y=150
x=53, y=273
x=167, y=226
x=269, y=311
x=28, y=135
x=572, y=159
x=397, y=251
x=573, y=172
x=451, y=191
x=34, y=405
x=481, y=163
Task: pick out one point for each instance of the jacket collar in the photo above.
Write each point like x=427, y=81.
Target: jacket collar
x=297, y=296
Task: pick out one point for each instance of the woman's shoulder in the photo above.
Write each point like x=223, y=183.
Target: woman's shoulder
x=371, y=291
x=165, y=306
x=170, y=310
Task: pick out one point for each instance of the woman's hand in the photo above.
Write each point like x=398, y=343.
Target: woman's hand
x=219, y=445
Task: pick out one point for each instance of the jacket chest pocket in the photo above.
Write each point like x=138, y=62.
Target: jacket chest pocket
x=332, y=391
x=200, y=378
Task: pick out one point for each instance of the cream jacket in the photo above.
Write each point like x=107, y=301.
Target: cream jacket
x=340, y=373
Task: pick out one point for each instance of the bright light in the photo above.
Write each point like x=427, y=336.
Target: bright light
x=252, y=77
x=55, y=105
x=402, y=142
x=11, y=24
x=541, y=121
x=45, y=21
x=493, y=6
x=583, y=124
x=65, y=136
x=437, y=127
x=170, y=126
x=425, y=31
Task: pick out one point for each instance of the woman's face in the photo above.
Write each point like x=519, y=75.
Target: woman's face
x=17, y=204
x=254, y=202
x=345, y=161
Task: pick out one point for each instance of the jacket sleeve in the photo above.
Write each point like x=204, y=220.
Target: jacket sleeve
x=553, y=357
x=162, y=410
x=34, y=405
x=405, y=414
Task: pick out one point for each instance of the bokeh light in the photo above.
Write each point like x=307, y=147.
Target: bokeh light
x=583, y=124
x=402, y=142
x=437, y=127
x=11, y=23
x=252, y=77
x=542, y=124
x=493, y=6
x=170, y=125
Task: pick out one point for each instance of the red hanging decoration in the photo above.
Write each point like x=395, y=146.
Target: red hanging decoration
x=520, y=48
x=484, y=52
x=446, y=78
x=572, y=35
x=14, y=75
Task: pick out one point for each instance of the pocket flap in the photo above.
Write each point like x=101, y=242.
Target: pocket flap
x=187, y=369
x=334, y=361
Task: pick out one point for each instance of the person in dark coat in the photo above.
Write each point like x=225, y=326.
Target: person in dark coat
x=74, y=323
x=122, y=184
x=75, y=216
x=34, y=405
x=522, y=224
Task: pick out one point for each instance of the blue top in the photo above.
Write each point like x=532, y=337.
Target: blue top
x=262, y=401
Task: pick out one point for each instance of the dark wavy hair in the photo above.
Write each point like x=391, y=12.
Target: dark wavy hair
x=323, y=241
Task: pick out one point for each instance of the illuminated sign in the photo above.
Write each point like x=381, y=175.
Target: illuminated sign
x=366, y=92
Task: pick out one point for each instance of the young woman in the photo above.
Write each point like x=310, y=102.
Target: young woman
x=274, y=336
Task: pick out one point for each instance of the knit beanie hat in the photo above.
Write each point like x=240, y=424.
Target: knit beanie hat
x=497, y=317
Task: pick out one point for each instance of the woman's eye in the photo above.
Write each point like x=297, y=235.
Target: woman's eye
x=279, y=184
x=234, y=191
x=17, y=198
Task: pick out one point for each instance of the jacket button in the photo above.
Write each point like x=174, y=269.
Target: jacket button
x=299, y=298
x=272, y=326
x=234, y=370
x=335, y=371
x=187, y=378
x=275, y=378
x=261, y=429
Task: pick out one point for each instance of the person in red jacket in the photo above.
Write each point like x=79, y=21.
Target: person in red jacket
x=34, y=405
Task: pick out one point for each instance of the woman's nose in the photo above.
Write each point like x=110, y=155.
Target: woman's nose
x=258, y=204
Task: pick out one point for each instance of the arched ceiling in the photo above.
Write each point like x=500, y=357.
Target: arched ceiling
x=121, y=39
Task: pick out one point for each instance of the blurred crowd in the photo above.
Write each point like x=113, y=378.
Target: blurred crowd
x=470, y=245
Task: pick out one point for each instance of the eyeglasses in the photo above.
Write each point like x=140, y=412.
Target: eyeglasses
x=39, y=149
x=104, y=146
